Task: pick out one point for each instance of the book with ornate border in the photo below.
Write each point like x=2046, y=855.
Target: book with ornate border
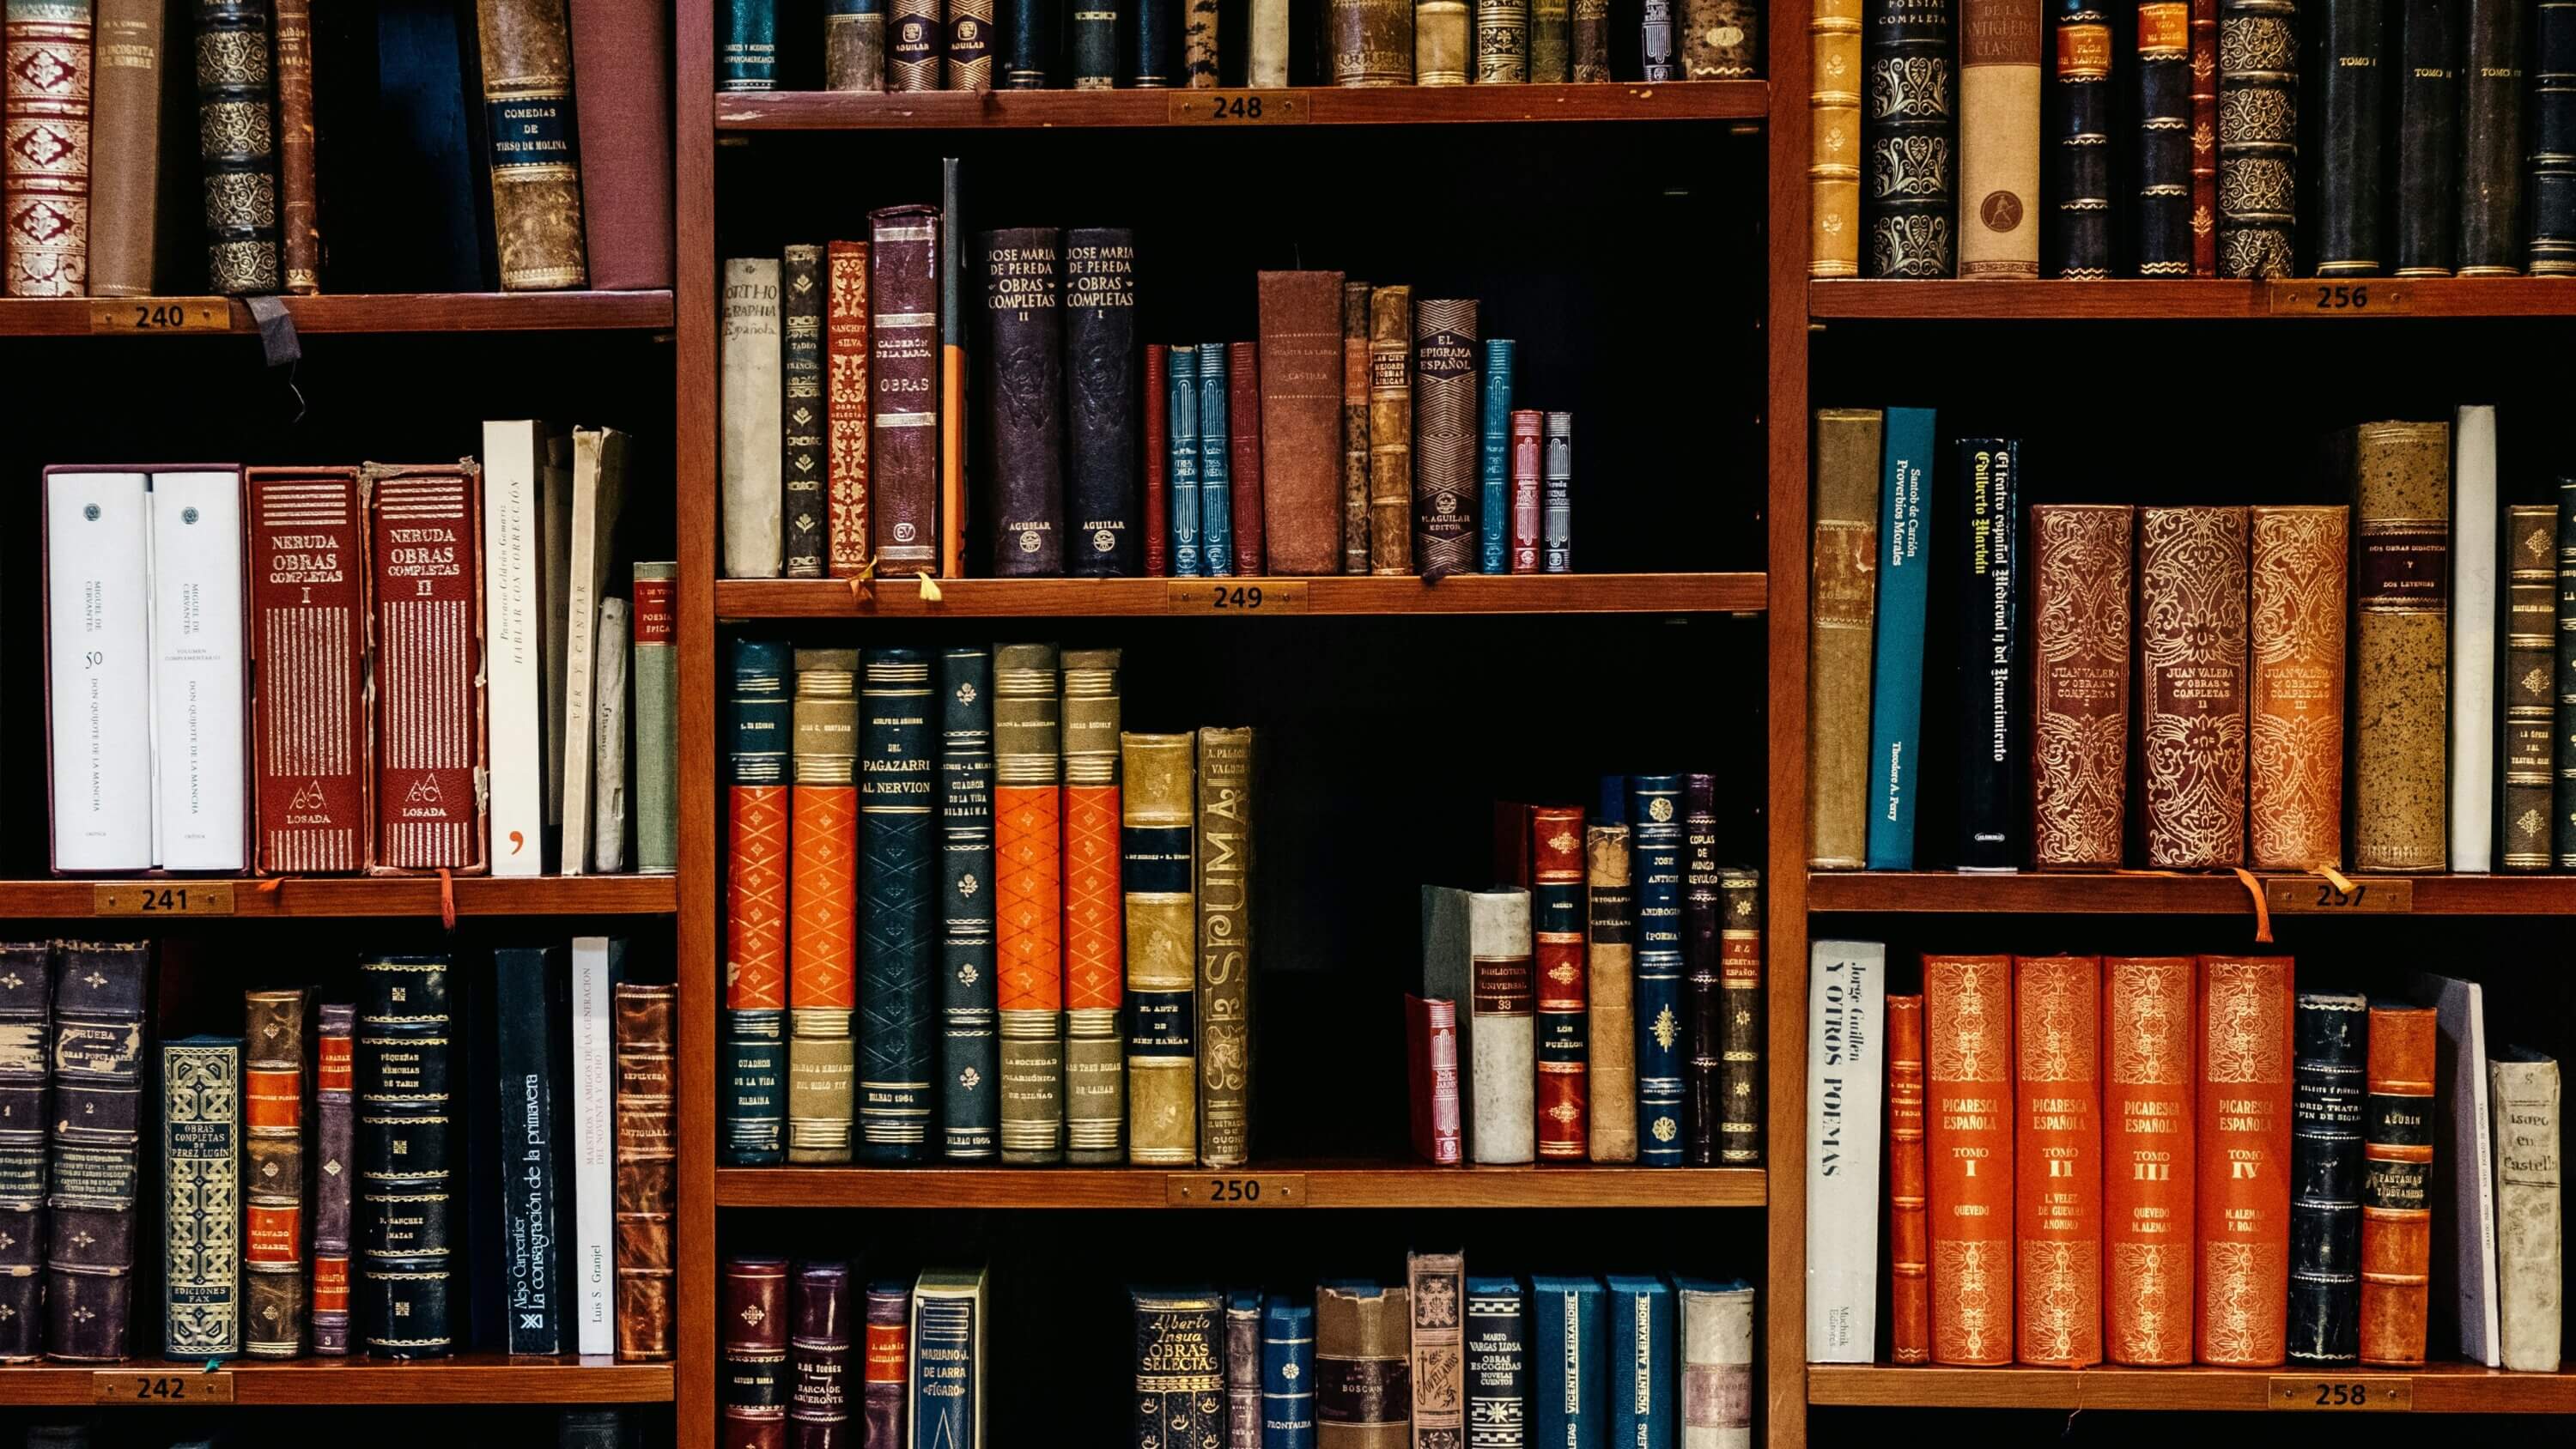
x=201, y=1144
x=2148, y=1159
x=2245, y=1050
x=823, y=928
x=1968, y=1089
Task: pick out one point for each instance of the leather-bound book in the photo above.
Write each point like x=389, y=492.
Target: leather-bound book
x=1738, y=1047
x=1301, y=415
x=2295, y=612
x=1610, y=1019
x=1494, y=460
x=818, y=1346
x=335, y=1162
x=2057, y=1124
x=2397, y=1186
x=2563, y=730
x=2204, y=138
x=1288, y=1387
x=2400, y=787
x=1476, y=956
x=917, y=48
x=26, y=999
x=648, y=1133
x=1440, y=42
x=1557, y=914
x=1225, y=959
x=2080, y=158
x=1095, y=1069
x=1029, y=904
x=1199, y=50
x=1024, y=378
x=747, y=45
x=2079, y=683
x=621, y=97
x=1721, y=39
x=2349, y=130
x=1641, y=1352
x=1180, y=1367
x=758, y=721
x=2523, y=1088
x=409, y=1141
x=428, y=670
x=845, y=409
x=1549, y=55
x=1158, y=460
x=1569, y=1388
x=1588, y=31
x=903, y=352
x=1990, y=657
x=1030, y=46
x=272, y=1173
x=947, y=1386
x=1243, y=1359
x=2530, y=685
x=1909, y=133
x=1390, y=431
x=1656, y=837
x=1243, y=456
x=2424, y=47
x=1528, y=445
x=1655, y=49
x=1216, y=460
x=1999, y=103
x=237, y=146
x=1835, y=133
x=2553, y=141
x=128, y=57
x=1497, y=1360
x=751, y=1368
x=2164, y=138
x=45, y=175
x=2244, y=1049
x=2191, y=685
x=1436, y=1287
x=1909, y=1237
x=1161, y=936
x=969, y=38
x=1502, y=42
x=822, y=934
x=898, y=934
x=970, y=1051
x=1716, y=1378
x=1100, y=358
x=1702, y=912
x=2325, y=1177
x=201, y=1145
x=299, y=236
x=308, y=596
x=2496, y=53
x=1355, y=427
x=536, y=178
x=1152, y=32
x=854, y=45
x=1095, y=49
x=887, y=1365
x=1556, y=496
x=1363, y=1366
x=800, y=411
x=749, y=457
x=2147, y=1160
x=1842, y=615
x=1969, y=1132
x=91, y=1169
x=2258, y=137
x=1431, y=1080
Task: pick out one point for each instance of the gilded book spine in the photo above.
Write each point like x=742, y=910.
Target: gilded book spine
x=273, y=1158
x=1371, y=41
x=2080, y=171
x=1999, y=103
x=2191, y=685
x=751, y=1365
x=2058, y=1127
x=2258, y=137
x=801, y=411
x=1842, y=613
x=1188, y=541
x=1095, y=1072
x=970, y=1059
x=335, y=1162
x=1909, y=1242
x=2401, y=640
x=308, y=629
x=1161, y=931
x=969, y=41
x=527, y=109
x=1721, y=39
x=2079, y=684
x=916, y=50
x=1225, y=934
x=1095, y=47
x=2164, y=138
x=2531, y=694
x=2147, y=1160
x=91, y=1170
x=2396, y=1187
x=1909, y=133
x=646, y=1115
x=45, y=173
x=1436, y=1285
x=897, y=931
x=1028, y=865
x=818, y=1344
x=1390, y=433
x=2325, y=1177
x=1548, y=53
x=888, y=1366
x=1968, y=1021
x=2204, y=138
x=1556, y=496
x=854, y=45
x=200, y=1161
x=2296, y=613
x=1355, y=427
x=1180, y=1368
x=1557, y=913
x=2563, y=735
x=1296, y=428
x=428, y=667
x=1502, y=41
x=822, y=965
x=2552, y=181
x=1610, y=1017
x=26, y=994
x=1655, y=813
x=1589, y=39
x=2243, y=1044
x=903, y=349
x=407, y=1149
x=237, y=146
x=758, y=717
x=1703, y=912
x=1834, y=137
x=1739, y=1027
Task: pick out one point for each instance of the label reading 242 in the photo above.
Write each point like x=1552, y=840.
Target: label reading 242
x=1235, y=108
x=119, y=1387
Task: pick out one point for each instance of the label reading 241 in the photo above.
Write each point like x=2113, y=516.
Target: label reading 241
x=154, y=898
x=120, y=1387
x=1235, y=108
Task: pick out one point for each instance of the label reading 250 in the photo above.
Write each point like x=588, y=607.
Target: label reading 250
x=1270, y=1189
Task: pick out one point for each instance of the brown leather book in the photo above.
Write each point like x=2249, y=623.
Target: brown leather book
x=1364, y=1395
x=1445, y=436
x=272, y=1180
x=1999, y=103
x=1243, y=423
x=1391, y=431
x=1721, y=39
x=1355, y=427
x=903, y=444
x=2147, y=1160
x=299, y=237
x=536, y=182
x=2397, y=1185
x=1833, y=154
x=1968, y=1130
x=1610, y=1007
x=1588, y=34
x=622, y=107
x=2530, y=684
x=2191, y=685
x=2242, y=1303
x=1441, y=44
x=648, y=1131
x=1371, y=41
x=1301, y=416
x=2079, y=716
x=1909, y=1241
x=2296, y=618
x=44, y=176
x=2401, y=579
x=2057, y=1126
x=1436, y=1284
x=1842, y=612
x=125, y=146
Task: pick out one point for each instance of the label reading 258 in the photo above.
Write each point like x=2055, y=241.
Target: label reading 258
x=2391, y=1393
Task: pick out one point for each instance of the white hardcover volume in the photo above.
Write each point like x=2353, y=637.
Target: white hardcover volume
x=1846, y=1096
x=598, y=496
x=197, y=670
x=554, y=563
x=1717, y=1364
x=2529, y=1253
x=594, y=1057
x=1463, y=933
x=755, y=500
x=2473, y=658
x=514, y=642
x=608, y=792
x=2464, y=1226
x=99, y=669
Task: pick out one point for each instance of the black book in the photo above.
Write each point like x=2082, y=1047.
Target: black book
x=2427, y=210
x=800, y=413
x=2348, y=135
x=407, y=1147
x=2491, y=132
x=1095, y=47
x=26, y=1001
x=2553, y=141
x=1497, y=1354
x=2082, y=103
x=2330, y=1043
x=237, y=146
x=408, y=204
x=1023, y=373
x=1029, y=44
x=532, y=1020
x=1909, y=139
x=1100, y=363
x=2164, y=139
x=1150, y=66
x=92, y=1170
x=1989, y=667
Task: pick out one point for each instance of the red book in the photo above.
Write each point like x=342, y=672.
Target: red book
x=2057, y=1212
x=1527, y=430
x=1431, y=1070
x=1968, y=1132
x=622, y=115
x=1243, y=419
x=752, y=1354
x=308, y=601
x=1158, y=459
x=2243, y=1305
x=1512, y=844
x=2396, y=1197
x=427, y=545
x=1909, y=1245
x=2147, y=1160
x=1556, y=926
x=2204, y=138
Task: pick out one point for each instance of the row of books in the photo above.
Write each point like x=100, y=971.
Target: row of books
x=2229, y=138
x=83, y=189
x=2239, y=632
x=2169, y=1160
x=1003, y=882
x=1364, y=433
x=260, y=1217
x=341, y=669
x=1604, y=1002
x=1444, y=1357
x=932, y=46
x=564, y=1429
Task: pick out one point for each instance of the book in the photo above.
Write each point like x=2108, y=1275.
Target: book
x=757, y=824
x=1497, y=1361
x=1023, y=362
x=2057, y=1202
x=2552, y=182
x=1188, y=538
x=1896, y=678
x=818, y=1348
x=1549, y=42
x=1502, y=42
x=554, y=584
x=2148, y=1159
x=1610, y=1020
x=1846, y=1064
x=1835, y=137
x=1440, y=42
x=98, y=669
x=802, y=480
x=91, y=1167
x=201, y=1143
x=916, y=48
x=130, y=57
x=2164, y=138
x=26, y=1003
x=2331, y=1038
x=904, y=360
x=1476, y=953
x=1029, y=904
x=1656, y=839
x=1494, y=450
x=1703, y=916
x=648, y=1133
x=2243, y=1176
x=1717, y=1392
x=272, y=1174
x=1362, y=1346
x=2295, y=739
x=1556, y=497
x=1527, y=429
x=2528, y=750
x=1180, y=1367
x=1095, y=50
x=2523, y=1087
x=846, y=394
x=1216, y=461
x=335, y=1131
x=1842, y=616
x=2401, y=554
x=885, y=1397
x=1444, y=434
x=1909, y=1242
x=236, y=148
x=308, y=618
x=1432, y=1079
x=423, y=219
x=2464, y=1273
x=2472, y=686
x=2258, y=137
x=2495, y=56
x=1435, y=1287
x=1356, y=406
x=407, y=1227
x=619, y=88
x=898, y=934
x=1157, y=521
x=947, y=1339
x=516, y=623
x=1303, y=406
x=2396, y=1186
x=1243, y=447
x=531, y=1010
x=536, y=175
x=2191, y=685
x=1095, y=1066
x=2079, y=750
x=1720, y=39
x=2351, y=46
x=1991, y=684
x=428, y=670
x=1157, y=875
x=970, y=1051
x=1223, y=885
x=598, y=498
x=1103, y=534
x=2426, y=123
x=1999, y=104
x=655, y=588
x=753, y=481
x=823, y=953
x=2079, y=175
x=1569, y=1385
x=969, y=42
x=1390, y=431
x=200, y=819
x=1642, y=1355
x=1287, y=1374
x=751, y=1362
x=1557, y=913
x=2563, y=732
x=1243, y=1368
x=1369, y=42
x=597, y=964
x=1968, y=1072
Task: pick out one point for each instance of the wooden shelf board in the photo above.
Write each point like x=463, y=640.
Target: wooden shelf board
x=381, y=312
x=1747, y=100
x=2441, y=1388
x=1327, y=1185
x=2147, y=299
x=586, y=895
x=2112, y=892
x=484, y=1378
x=1340, y=594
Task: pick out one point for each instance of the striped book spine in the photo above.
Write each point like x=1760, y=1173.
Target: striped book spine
x=308, y=626
x=1655, y=834
x=822, y=978
x=897, y=801
x=429, y=668
x=755, y=975
x=1095, y=1060
x=1029, y=907
x=970, y=1060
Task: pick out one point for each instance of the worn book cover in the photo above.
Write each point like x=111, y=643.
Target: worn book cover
x=1225, y=960
x=2079, y=754
x=2401, y=577
x=273, y=1178
x=2295, y=612
x=1842, y=613
x=2326, y=1176
x=2397, y=1185
x=1909, y=1243
x=201, y=1141
x=648, y=1132
x=897, y=918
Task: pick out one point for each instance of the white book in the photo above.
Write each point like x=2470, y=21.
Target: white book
x=199, y=666
x=2473, y=648
x=514, y=642
x=754, y=497
x=594, y=1065
x=1846, y=1138
x=1467, y=936
x=99, y=669
x=1717, y=1364
x=554, y=567
x=2530, y=1251
x=2463, y=1287
x=608, y=793
x=598, y=496
x=1267, y=60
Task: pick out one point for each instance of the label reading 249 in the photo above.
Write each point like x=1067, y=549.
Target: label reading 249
x=1236, y=596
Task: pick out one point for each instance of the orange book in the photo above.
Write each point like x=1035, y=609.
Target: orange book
x=822, y=936
x=2147, y=1160
x=1968, y=1132
x=2057, y=1125
x=756, y=898
x=2396, y=1205
x=2243, y=1303
x=1909, y=1243
x=1095, y=958
x=1029, y=921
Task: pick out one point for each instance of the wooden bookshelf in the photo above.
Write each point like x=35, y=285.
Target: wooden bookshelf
x=1040, y=598
x=392, y=312
x=2440, y=1388
x=2143, y=299
x=1317, y=1185
x=480, y=1378
x=2120, y=892
x=197, y=898
x=1323, y=106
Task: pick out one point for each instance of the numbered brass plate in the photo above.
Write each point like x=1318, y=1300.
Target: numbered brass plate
x=1236, y=108
x=121, y=1386
x=160, y=314
x=2326, y=298
x=1235, y=1190
x=2307, y=895
x=2352, y=1393
x=163, y=898
x=1236, y=596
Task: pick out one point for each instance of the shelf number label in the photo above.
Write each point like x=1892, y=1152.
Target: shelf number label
x=118, y=1387
x=1235, y=108
x=1268, y=1190
x=2338, y=299
x=2308, y=895
x=1233, y=596
x=156, y=898
x=2394, y=1394
x=160, y=314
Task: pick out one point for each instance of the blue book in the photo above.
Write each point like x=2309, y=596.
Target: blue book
x=1287, y=1374
x=947, y=1369
x=1183, y=407
x=970, y=1073
x=1567, y=1385
x=1497, y=1350
x=1645, y=1364
x=531, y=1012
x=897, y=937
x=753, y=1131
x=1655, y=843
x=1216, y=464
x=1494, y=483
x=747, y=45
x=1896, y=683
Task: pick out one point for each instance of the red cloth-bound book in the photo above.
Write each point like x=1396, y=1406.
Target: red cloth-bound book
x=1158, y=459
x=1909, y=1245
x=1556, y=925
x=1243, y=420
x=426, y=533
x=1431, y=1069
x=308, y=601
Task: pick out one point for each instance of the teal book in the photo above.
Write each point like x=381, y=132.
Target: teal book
x=1644, y=1362
x=1216, y=464
x=1896, y=683
x=656, y=715
x=1188, y=558
x=201, y=1143
x=1569, y=1388
x=947, y=1369
x=1494, y=459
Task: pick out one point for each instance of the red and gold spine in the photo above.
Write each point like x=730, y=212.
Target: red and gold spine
x=2191, y=685
x=308, y=595
x=1909, y=1242
x=44, y=176
x=1243, y=421
x=1028, y=848
x=1557, y=901
x=1528, y=493
x=2242, y=1306
x=1158, y=445
x=2204, y=138
x=2079, y=679
x=1968, y=1132
x=2396, y=1189
x=275, y=1109
x=426, y=535
x=2147, y=1160
x=2295, y=611
x=823, y=920
x=845, y=409
x=2057, y=1119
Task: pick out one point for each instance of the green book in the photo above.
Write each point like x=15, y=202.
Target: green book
x=656, y=716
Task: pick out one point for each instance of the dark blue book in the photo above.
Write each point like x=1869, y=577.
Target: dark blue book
x=897, y=788
x=1180, y=1367
x=1896, y=682
x=947, y=1344
x=1497, y=1346
x=532, y=1015
x=1655, y=841
x=1567, y=1382
x=1216, y=464
x=1494, y=478
x=1644, y=1362
x=753, y=1054
x=1990, y=681
x=419, y=217
x=1287, y=1374
x=201, y=1145
x=746, y=45
x=2330, y=1049
x=970, y=1058
x=1188, y=560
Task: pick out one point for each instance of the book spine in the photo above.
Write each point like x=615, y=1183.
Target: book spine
x=2524, y=1097
x=1835, y=136
x=845, y=407
x=1431, y=1073
x=1300, y=441
x=2080, y=173
x=1896, y=681
x=1189, y=559
x=26, y=994
x=1968, y=1133
x=1556, y=497
x=1216, y=462
x=1287, y=1374
x=2245, y=1049
x=1502, y=41
x=1029, y=862
x=1030, y=46
x=527, y=120
x=1499, y=1039
x=1158, y=460
x=2258, y=137
x=335, y=1162
x=1391, y=431
x=597, y=963
x=888, y=1366
x=1703, y=917
x=2058, y=1143
x=1225, y=946
x=2563, y=843
x=1444, y=431
x=428, y=668
x=1363, y=1370
x=406, y=1147
x=531, y=1225
x=751, y=1367
x=1024, y=376
x=1370, y=42
x=1999, y=104
x=2530, y=686
x=1100, y=355
x=1567, y=1397
x=2147, y=1160
x=1497, y=1362
x=2204, y=138
x=1642, y=1357
x=1161, y=930
x=854, y=45
x=822, y=954
x=1152, y=32
x=524, y=593
x=648, y=1132
x=1721, y=39
x=1243, y=428
x=1990, y=684
x=2496, y=54
x=747, y=45
x=655, y=590
x=1095, y=49
x=91, y=1168
x=299, y=240
x=2325, y=1178
x=947, y=1377
x=201, y=1145
x=2427, y=54
x=2553, y=139
x=273, y=1162
x=756, y=869
x=2080, y=684
x=236, y=147
x=1557, y=916
x=1180, y=1369
x=916, y=51
x=2351, y=41
x=198, y=672
x=1655, y=48
x=1440, y=42
x=1549, y=56
x=800, y=414
x=970, y=1052
x=1842, y=619
x=1588, y=29
x=2191, y=685
x=1717, y=1390
x=1435, y=1288
x=1909, y=1239
x=818, y=1346
x=98, y=667
x=748, y=456
x=898, y=786
x=1655, y=836
x=1528, y=445
x=2471, y=695
x=1356, y=407
x=950, y=261
x=1243, y=1369
x=1199, y=44
x=969, y=42
x=308, y=621
x=2396, y=1187
x=2295, y=737
x=1095, y=1072
x=903, y=360
x=125, y=146
x=2164, y=138
x=1738, y=1031
x=1610, y=1023
x=2401, y=637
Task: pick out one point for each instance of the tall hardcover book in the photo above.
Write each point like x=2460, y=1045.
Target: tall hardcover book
x=753, y=1108
x=1188, y=539
x=309, y=613
x=2080, y=106
x=98, y=670
x=1846, y=1063
x=1024, y=377
x=1435, y=1286
x=409, y=1239
x=1968, y=1078
x=2079, y=723
x=1610, y=1019
x=1103, y=537
x=1095, y=1064
x=1909, y=137
x=2563, y=833
x=1556, y=924
x=1476, y=954
x=237, y=147
x=2351, y=46
x=1157, y=520
x=819, y=1380
x=1029, y=861
x=1656, y=835
x=335, y=1139
x=947, y=1386
x=1157, y=875
x=885, y=1398
x=1896, y=679
x=801, y=411
x=2552, y=182
x=1526, y=438
x=619, y=90
x=2495, y=56
x=1390, y=431
x=823, y=932
x=131, y=60
x=1288, y=1390
x=1444, y=437
x=598, y=498
x=1303, y=391
x=2524, y=1088
x=536, y=174
x=272, y=1174
x=199, y=817
x=656, y=590
x=748, y=456
x=2296, y=607
x=2473, y=644
x=1216, y=461
x=1909, y=1240
x=1225, y=959
x=751, y=1357
x=1497, y=1361
x=1999, y=104
x=898, y=843
x=1703, y=911
x=1842, y=614
x=1362, y=1349
x=597, y=964
x=1569, y=1385
x=2425, y=48
x=847, y=398
x=1180, y=1367
x=2148, y=1159
x=970, y=1050
x=2164, y=138
x=2258, y=137
x=1243, y=443
x=2191, y=685
x=26, y=1001
x=516, y=623
x=1431, y=1078
x=1642, y=1354
x=1494, y=461
x=1717, y=1391
x=2401, y=479
x=2057, y=1129
x=201, y=1140
x=904, y=361
x=1835, y=135
x=2330, y=1041
x=428, y=666
x=950, y=270
x=1556, y=497
x=2244, y=1050
x=1991, y=686
x=91, y=1169
x=2397, y=1186
x=2464, y=1272
x=531, y=1021
x=2528, y=750
x=648, y=1135
x=1355, y=427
